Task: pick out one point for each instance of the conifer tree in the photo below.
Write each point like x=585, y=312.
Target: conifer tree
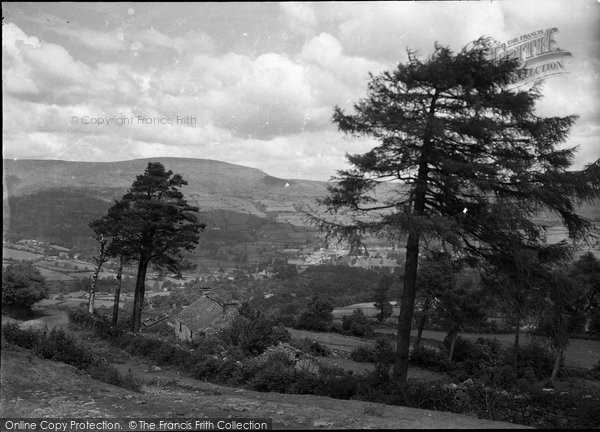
x=152, y=223
x=462, y=157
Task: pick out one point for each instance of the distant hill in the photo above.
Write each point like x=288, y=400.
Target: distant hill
x=54, y=200
x=205, y=177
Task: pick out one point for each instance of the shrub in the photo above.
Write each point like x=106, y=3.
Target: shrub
x=276, y=376
x=316, y=316
x=463, y=348
x=594, y=326
x=99, y=324
x=337, y=384
x=312, y=347
x=384, y=351
x=534, y=358
x=14, y=335
x=430, y=359
x=255, y=335
x=357, y=324
x=57, y=346
x=363, y=354
x=22, y=286
x=111, y=375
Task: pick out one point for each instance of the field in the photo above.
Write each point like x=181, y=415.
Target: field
x=580, y=353
x=19, y=254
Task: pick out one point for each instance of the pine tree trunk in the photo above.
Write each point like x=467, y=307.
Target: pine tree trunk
x=422, y=322
x=115, y=318
x=453, y=338
x=93, y=281
x=140, y=290
x=407, y=306
x=92, y=295
x=517, y=336
x=559, y=355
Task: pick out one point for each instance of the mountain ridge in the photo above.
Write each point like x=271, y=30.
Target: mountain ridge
x=24, y=176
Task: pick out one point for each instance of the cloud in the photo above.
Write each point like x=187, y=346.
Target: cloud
x=92, y=39
x=261, y=85
x=299, y=16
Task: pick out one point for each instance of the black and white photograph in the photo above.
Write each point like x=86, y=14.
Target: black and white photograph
x=300, y=215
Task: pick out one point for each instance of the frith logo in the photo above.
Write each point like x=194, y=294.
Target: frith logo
x=538, y=51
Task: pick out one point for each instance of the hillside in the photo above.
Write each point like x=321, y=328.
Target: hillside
x=54, y=200
x=225, y=185
x=36, y=388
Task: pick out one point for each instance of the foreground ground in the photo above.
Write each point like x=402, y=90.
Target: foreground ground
x=32, y=387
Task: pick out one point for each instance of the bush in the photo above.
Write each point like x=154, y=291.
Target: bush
x=22, y=286
x=337, y=384
x=534, y=358
x=312, y=347
x=255, y=335
x=357, y=324
x=274, y=375
x=594, y=326
x=316, y=316
x=99, y=324
x=57, y=346
x=363, y=354
x=463, y=348
x=11, y=333
x=111, y=375
x=430, y=359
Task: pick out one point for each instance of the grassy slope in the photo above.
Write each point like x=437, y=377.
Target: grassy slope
x=33, y=387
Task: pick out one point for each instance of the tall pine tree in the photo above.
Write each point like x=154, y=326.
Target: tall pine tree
x=152, y=223
x=462, y=158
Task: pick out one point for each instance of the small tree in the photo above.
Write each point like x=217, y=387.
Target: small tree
x=357, y=323
x=100, y=260
x=436, y=276
x=22, y=286
x=569, y=298
x=316, y=316
x=516, y=278
x=456, y=307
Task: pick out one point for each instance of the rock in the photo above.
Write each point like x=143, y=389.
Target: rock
x=468, y=382
x=452, y=386
x=128, y=397
x=155, y=369
x=300, y=360
x=548, y=390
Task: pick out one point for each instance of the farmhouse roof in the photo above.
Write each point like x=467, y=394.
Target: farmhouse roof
x=207, y=313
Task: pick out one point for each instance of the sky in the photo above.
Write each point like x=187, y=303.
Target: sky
x=251, y=83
